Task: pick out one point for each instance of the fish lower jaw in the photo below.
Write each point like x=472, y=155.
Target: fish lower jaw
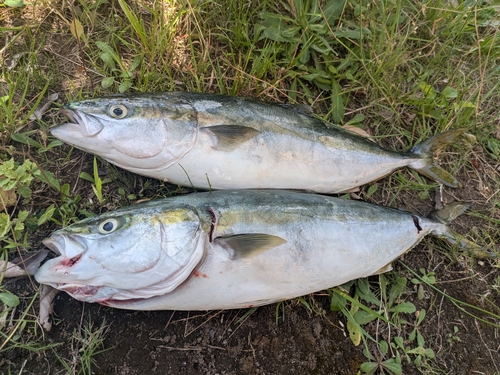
x=80, y=292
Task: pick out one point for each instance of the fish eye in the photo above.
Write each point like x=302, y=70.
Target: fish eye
x=108, y=226
x=118, y=111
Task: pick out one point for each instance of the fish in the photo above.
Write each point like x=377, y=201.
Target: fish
x=207, y=141
x=232, y=249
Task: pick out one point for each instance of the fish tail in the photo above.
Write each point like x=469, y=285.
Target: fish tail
x=426, y=151
x=445, y=216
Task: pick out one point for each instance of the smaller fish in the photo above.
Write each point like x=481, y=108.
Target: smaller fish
x=233, y=249
x=220, y=142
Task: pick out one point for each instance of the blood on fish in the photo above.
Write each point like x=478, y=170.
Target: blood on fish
x=71, y=262
x=197, y=273
x=416, y=222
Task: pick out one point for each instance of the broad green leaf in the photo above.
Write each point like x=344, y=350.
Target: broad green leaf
x=371, y=190
x=421, y=316
x=397, y=289
x=393, y=367
x=24, y=191
x=418, y=360
x=23, y=215
x=107, y=82
x=420, y=339
x=383, y=347
x=337, y=302
x=352, y=34
x=428, y=90
x=399, y=342
x=449, y=92
x=420, y=292
x=357, y=119
x=9, y=299
x=108, y=60
x=135, y=63
x=55, y=143
x=14, y=3
x=412, y=335
x=404, y=307
x=332, y=10
x=104, y=47
x=23, y=138
x=48, y=178
x=4, y=224
x=49, y=212
x=124, y=86
x=368, y=367
x=85, y=176
x=364, y=317
x=363, y=285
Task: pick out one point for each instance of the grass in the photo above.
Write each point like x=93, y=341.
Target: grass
x=401, y=70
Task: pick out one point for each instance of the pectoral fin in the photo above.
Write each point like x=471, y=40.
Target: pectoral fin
x=242, y=246
x=229, y=137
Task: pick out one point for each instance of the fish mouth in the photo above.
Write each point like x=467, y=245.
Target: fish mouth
x=78, y=291
x=81, y=123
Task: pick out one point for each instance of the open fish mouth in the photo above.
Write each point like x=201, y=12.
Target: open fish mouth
x=81, y=123
x=73, y=116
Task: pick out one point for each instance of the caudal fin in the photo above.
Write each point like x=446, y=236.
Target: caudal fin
x=445, y=216
x=426, y=151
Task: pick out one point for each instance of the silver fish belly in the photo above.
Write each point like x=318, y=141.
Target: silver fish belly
x=220, y=142
x=230, y=249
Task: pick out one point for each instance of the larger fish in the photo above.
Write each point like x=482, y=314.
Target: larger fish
x=231, y=249
x=220, y=142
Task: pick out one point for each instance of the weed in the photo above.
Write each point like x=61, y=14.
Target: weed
x=86, y=343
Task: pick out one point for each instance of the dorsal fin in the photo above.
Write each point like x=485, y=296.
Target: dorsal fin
x=300, y=108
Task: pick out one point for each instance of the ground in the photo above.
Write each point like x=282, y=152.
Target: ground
x=301, y=336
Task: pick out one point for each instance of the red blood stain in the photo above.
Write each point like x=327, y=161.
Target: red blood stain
x=197, y=273
x=71, y=262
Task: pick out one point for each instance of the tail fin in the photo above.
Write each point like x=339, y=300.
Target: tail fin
x=445, y=216
x=426, y=151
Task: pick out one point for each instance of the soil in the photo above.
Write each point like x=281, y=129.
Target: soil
x=289, y=338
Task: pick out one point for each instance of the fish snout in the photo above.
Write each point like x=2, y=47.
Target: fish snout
x=81, y=123
x=66, y=245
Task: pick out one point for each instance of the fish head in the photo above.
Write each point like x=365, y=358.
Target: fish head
x=133, y=132
x=125, y=254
